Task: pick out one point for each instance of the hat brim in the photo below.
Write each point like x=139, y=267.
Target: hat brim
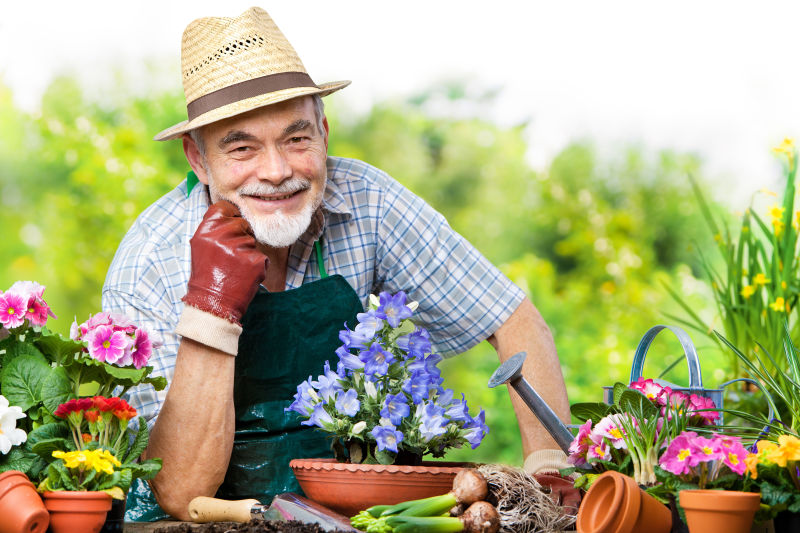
x=248, y=104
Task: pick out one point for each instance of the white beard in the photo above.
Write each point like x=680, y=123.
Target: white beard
x=277, y=230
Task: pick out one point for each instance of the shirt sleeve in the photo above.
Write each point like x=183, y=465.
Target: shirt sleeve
x=463, y=298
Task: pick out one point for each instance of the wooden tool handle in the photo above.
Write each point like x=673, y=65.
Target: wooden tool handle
x=205, y=509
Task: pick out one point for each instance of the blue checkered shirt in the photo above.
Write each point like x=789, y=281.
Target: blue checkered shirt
x=375, y=233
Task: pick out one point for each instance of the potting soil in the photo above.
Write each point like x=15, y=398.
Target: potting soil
x=254, y=526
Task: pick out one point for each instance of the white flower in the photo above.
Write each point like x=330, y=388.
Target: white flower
x=374, y=301
x=412, y=305
x=358, y=427
x=372, y=392
x=10, y=435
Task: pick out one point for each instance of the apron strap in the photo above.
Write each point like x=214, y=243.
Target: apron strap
x=191, y=181
x=318, y=249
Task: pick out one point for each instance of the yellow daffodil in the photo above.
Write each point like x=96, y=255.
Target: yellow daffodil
x=778, y=226
x=744, y=272
x=779, y=306
x=783, y=285
x=776, y=211
x=786, y=147
x=761, y=279
x=718, y=237
x=747, y=291
x=766, y=191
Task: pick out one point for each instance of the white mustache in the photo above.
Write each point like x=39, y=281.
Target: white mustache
x=264, y=189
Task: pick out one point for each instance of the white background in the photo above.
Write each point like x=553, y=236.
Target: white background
x=719, y=79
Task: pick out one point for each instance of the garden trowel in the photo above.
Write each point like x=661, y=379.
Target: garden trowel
x=284, y=507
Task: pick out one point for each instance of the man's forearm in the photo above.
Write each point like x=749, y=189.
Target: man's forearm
x=193, y=433
x=526, y=331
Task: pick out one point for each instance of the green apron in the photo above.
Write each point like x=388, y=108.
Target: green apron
x=286, y=337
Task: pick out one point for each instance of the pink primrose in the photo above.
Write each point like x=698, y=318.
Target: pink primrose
x=599, y=449
x=648, y=387
x=709, y=449
x=107, y=345
x=12, y=310
x=142, y=348
x=698, y=403
x=580, y=445
x=681, y=455
x=612, y=429
x=734, y=453
x=28, y=289
x=38, y=312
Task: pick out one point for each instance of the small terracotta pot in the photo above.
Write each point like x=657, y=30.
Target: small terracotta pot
x=21, y=508
x=77, y=511
x=349, y=488
x=719, y=510
x=616, y=504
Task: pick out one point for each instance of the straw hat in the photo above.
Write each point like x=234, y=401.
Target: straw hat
x=233, y=65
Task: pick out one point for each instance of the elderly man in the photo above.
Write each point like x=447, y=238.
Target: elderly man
x=250, y=267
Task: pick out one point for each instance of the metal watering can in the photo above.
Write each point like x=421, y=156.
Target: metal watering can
x=511, y=372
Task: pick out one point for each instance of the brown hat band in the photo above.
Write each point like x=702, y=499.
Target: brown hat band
x=247, y=89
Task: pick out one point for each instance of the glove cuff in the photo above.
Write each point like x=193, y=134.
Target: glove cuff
x=546, y=461
x=209, y=329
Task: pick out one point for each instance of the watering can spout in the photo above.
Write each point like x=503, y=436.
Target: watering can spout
x=511, y=372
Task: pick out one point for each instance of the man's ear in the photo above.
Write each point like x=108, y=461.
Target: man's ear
x=195, y=159
x=327, y=130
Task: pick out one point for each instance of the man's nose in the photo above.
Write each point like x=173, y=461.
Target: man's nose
x=273, y=166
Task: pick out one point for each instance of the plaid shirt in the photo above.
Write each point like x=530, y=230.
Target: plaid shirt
x=376, y=233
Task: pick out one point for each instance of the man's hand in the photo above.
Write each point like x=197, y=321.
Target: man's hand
x=227, y=266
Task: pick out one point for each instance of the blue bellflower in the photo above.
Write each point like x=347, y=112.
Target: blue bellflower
x=415, y=344
x=328, y=383
x=376, y=360
x=303, y=400
x=369, y=323
x=348, y=360
x=387, y=437
x=458, y=410
x=432, y=421
x=393, y=309
x=395, y=408
x=476, y=429
x=319, y=417
x=348, y=403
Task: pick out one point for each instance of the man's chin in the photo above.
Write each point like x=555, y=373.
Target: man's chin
x=279, y=231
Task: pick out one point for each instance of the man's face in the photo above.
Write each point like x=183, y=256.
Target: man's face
x=270, y=162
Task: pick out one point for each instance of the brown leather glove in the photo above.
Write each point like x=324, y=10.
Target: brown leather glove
x=562, y=491
x=227, y=267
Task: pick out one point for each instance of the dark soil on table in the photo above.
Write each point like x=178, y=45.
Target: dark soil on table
x=254, y=526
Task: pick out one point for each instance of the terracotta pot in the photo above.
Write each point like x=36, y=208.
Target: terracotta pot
x=719, y=510
x=349, y=488
x=77, y=511
x=21, y=508
x=616, y=504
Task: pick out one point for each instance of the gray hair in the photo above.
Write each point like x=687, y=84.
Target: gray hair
x=319, y=114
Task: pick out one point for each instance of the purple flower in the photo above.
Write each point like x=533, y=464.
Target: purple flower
x=319, y=417
x=387, y=437
x=304, y=398
x=393, y=309
x=580, y=446
x=353, y=339
x=458, y=410
x=348, y=360
x=416, y=344
x=395, y=408
x=432, y=421
x=348, y=403
x=328, y=383
x=368, y=324
x=376, y=360
x=476, y=429
x=426, y=365
x=418, y=386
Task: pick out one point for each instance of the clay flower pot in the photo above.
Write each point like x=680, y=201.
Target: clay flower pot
x=77, y=511
x=616, y=504
x=21, y=508
x=719, y=510
x=349, y=488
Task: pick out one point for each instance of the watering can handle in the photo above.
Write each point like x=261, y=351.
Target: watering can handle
x=695, y=377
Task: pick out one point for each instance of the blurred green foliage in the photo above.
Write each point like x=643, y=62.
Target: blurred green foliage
x=590, y=238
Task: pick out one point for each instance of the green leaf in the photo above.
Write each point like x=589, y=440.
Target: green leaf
x=636, y=403
x=58, y=348
x=139, y=443
x=17, y=348
x=56, y=389
x=385, y=457
x=46, y=447
x=54, y=430
x=19, y=458
x=619, y=388
x=65, y=477
x=590, y=410
x=158, y=382
x=22, y=380
x=125, y=479
x=146, y=469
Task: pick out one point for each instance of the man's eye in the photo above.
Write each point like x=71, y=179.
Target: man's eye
x=297, y=139
x=241, y=149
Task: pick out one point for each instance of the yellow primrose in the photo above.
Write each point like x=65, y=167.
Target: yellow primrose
x=761, y=279
x=778, y=305
x=790, y=446
x=71, y=459
x=751, y=465
x=747, y=291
